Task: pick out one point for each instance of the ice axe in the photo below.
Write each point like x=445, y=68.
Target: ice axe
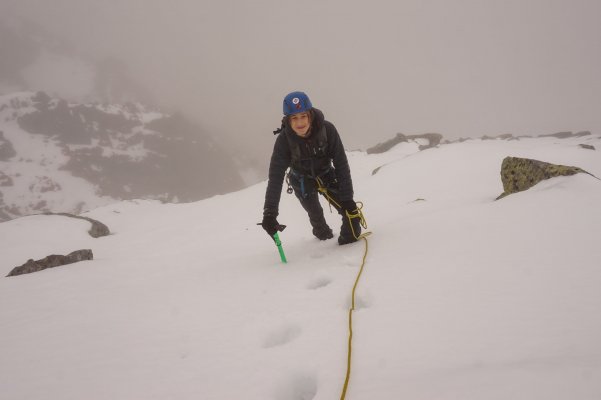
x=278, y=242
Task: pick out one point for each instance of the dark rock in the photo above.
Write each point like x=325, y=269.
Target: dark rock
x=3, y=216
x=433, y=139
x=40, y=205
x=7, y=150
x=44, y=184
x=52, y=261
x=458, y=140
x=587, y=146
x=559, y=135
x=567, y=134
x=504, y=136
x=97, y=230
x=519, y=174
x=167, y=171
x=41, y=100
x=5, y=180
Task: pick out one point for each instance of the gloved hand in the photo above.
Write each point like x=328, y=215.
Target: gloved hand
x=271, y=225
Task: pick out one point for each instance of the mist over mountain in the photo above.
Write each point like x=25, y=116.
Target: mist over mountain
x=78, y=131
x=69, y=157
x=463, y=69
x=34, y=59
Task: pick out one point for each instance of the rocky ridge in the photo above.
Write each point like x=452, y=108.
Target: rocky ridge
x=57, y=156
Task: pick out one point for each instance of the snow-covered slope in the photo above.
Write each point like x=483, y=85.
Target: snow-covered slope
x=68, y=157
x=462, y=297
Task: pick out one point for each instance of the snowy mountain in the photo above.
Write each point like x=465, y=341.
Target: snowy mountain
x=68, y=157
x=462, y=297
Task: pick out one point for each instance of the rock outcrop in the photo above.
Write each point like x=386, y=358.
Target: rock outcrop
x=52, y=261
x=7, y=150
x=567, y=134
x=97, y=230
x=433, y=141
x=89, y=155
x=518, y=174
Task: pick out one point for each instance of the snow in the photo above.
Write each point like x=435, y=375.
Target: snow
x=39, y=157
x=462, y=297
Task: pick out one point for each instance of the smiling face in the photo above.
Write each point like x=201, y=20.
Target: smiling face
x=300, y=123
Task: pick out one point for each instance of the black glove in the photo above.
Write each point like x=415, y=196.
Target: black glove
x=349, y=205
x=271, y=225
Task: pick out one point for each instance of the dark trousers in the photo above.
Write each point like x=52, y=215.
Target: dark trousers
x=310, y=203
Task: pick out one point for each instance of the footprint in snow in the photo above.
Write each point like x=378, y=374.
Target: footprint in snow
x=319, y=282
x=299, y=386
x=318, y=255
x=361, y=302
x=281, y=336
x=350, y=261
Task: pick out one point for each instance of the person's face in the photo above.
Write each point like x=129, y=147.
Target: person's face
x=300, y=123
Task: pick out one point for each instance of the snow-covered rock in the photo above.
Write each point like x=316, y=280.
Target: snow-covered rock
x=69, y=157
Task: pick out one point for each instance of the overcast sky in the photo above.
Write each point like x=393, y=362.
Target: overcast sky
x=457, y=67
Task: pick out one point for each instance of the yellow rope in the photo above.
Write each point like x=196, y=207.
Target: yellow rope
x=350, y=324
x=323, y=190
x=358, y=213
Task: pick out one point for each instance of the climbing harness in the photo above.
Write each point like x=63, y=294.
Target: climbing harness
x=302, y=179
x=350, y=321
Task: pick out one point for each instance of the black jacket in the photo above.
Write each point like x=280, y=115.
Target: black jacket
x=314, y=160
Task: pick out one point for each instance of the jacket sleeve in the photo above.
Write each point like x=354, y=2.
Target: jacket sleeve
x=280, y=161
x=343, y=171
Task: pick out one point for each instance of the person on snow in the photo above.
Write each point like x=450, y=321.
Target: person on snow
x=311, y=147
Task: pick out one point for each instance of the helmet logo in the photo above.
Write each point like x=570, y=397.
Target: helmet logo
x=296, y=102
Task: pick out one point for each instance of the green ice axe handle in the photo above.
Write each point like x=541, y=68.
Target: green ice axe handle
x=278, y=243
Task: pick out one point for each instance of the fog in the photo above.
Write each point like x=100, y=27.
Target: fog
x=459, y=68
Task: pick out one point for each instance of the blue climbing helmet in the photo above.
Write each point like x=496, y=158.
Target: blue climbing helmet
x=296, y=102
